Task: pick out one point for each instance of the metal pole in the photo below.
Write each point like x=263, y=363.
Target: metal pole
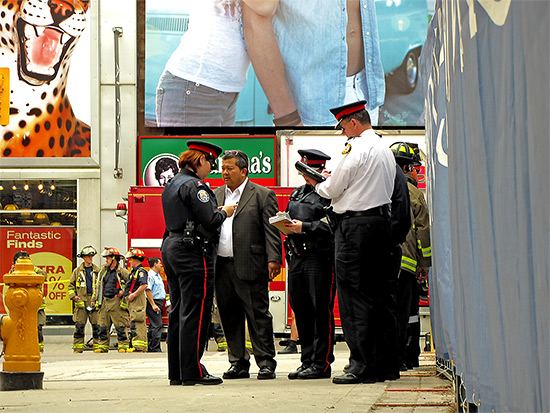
x=117, y=31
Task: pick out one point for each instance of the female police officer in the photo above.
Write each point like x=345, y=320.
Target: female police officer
x=192, y=219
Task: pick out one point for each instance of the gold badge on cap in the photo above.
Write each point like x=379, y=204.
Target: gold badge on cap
x=347, y=149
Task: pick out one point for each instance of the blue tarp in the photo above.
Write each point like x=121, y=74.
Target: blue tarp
x=485, y=70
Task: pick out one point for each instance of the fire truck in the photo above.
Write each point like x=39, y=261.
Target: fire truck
x=143, y=213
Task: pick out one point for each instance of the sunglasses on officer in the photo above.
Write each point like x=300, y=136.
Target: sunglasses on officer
x=211, y=160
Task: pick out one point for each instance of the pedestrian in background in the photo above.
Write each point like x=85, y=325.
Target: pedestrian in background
x=156, y=294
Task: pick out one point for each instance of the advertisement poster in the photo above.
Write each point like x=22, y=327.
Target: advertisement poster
x=197, y=63
x=51, y=249
x=50, y=106
x=159, y=155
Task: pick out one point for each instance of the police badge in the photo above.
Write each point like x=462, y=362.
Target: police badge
x=203, y=196
x=347, y=149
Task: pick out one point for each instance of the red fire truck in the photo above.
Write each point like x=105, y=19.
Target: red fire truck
x=145, y=227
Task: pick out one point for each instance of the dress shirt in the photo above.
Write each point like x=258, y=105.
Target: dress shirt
x=318, y=83
x=225, y=247
x=365, y=176
x=156, y=285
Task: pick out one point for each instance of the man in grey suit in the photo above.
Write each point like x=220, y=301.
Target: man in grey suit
x=249, y=255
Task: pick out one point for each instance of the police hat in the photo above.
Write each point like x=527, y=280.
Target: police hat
x=342, y=111
x=205, y=147
x=313, y=157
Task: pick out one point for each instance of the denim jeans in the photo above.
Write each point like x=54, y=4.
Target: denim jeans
x=184, y=103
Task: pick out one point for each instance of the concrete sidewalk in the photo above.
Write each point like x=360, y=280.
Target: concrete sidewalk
x=119, y=382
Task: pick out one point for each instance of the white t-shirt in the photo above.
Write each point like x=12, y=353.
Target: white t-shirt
x=364, y=178
x=212, y=51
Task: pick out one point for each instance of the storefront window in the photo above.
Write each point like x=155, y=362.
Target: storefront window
x=39, y=217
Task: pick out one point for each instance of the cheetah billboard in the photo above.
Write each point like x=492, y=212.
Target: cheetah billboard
x=40, y=40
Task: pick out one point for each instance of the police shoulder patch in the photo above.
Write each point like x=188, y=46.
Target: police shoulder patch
x=347, y=149
x=203, y=196
x=200, y=183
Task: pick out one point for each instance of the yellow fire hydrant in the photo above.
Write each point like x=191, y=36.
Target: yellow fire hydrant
x=21, y=370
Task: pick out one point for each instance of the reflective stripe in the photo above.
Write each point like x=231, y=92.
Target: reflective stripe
x=123, y=305
x=79, y=304
x=426, y=252
x=408, y=264
x=139, y=343
x=42, y=307
x=248, y=345
x=78, y=346
x=104, y=347
x=125, y=346
x=71, y=291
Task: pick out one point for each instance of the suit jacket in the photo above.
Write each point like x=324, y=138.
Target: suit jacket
x=255, y=241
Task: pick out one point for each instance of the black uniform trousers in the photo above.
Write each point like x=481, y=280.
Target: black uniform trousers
x=155, y=326
x=406, y=284
x=363, y=246
x=190, y=278
x=236, y=300
x=312, y=290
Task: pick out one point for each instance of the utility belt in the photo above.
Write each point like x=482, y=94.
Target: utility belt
x=382, y=211
x=297, y=246
x=194, y=238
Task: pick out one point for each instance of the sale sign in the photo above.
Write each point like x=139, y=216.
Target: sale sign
x=51, y=249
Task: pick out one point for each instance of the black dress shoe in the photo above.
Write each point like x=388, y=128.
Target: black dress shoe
x=266, y=373
x=206, y=380
x=236, y=372
x=294, y=375
x=347, y=378
x=176, y=382
x=313, y=372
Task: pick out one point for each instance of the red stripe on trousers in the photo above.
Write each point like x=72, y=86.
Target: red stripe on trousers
x=200, y=319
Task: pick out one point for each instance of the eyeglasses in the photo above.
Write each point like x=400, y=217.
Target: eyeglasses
x=238, y=153
x=341, y=125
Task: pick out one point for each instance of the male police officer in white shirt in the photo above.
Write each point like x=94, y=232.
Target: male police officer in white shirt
x=360, y=188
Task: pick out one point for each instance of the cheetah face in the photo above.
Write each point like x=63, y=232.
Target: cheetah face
x=46, y=32
x=37, y=39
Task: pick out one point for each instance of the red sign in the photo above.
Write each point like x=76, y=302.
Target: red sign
x=51, y=249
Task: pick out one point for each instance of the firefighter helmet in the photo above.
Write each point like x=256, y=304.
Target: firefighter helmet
x=20, y=254
x=110, y=252
x=404, y=154
x=87, y=250
x=135, y=253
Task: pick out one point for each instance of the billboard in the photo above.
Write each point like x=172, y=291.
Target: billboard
x=158, y=157
x=51, y=249
x=200, y=73
x=50, y=106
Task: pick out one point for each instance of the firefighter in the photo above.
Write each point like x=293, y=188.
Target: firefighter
x=309, y=248
x=41, y=315
x=134, y=292
x=415, y=261
x=108, y=298
x=81, y=287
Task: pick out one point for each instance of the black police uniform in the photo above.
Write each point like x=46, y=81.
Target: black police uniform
x=311, y=285
x=192, y=219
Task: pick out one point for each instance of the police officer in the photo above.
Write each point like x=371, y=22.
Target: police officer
x=108, y=298
x=81, y=289
x=415, y=261
x=134, y=292
x=360, y=188
x=192, y=220
x=310, y=256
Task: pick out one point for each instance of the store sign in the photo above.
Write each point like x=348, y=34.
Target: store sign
x=51, y=249
x=158, y=157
